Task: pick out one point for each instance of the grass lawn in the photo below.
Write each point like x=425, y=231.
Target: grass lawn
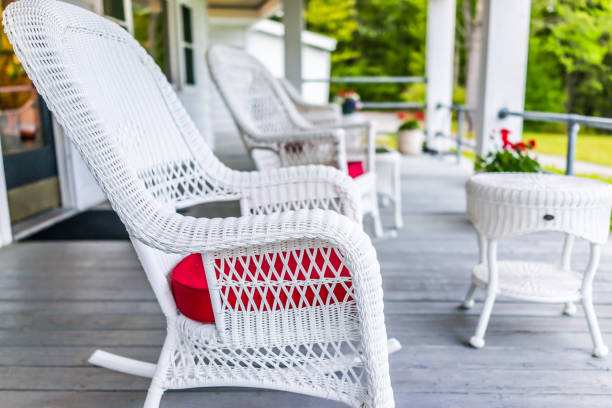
x=590, y=148
x=387, y=140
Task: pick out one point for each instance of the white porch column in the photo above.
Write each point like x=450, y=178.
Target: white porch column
x=439, y=69
x=294, y=24
x=503, y=70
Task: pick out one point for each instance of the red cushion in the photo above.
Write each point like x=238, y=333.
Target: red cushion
x=355, y=169
x=190, y=288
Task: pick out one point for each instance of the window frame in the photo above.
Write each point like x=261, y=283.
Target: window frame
x=185, y=46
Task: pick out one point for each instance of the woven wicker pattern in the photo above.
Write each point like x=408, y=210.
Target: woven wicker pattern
x=533, y=281
x=505, y=204
x=274, y=131
x=318, y=115
x=145, y=152
x=388, y=184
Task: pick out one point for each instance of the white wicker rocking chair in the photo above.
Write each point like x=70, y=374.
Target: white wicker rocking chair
x=116, y=105
x=388, y=182
x=318, y=115
x=277, y=135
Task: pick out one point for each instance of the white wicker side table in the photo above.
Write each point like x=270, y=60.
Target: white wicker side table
x=509, y=204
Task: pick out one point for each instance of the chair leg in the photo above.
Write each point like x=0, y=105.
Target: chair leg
x=376, y=222
x=154, y=396
x=477, y=339
x=399, y=220
x=569, y=309
x=397, y=186
x=468, y=302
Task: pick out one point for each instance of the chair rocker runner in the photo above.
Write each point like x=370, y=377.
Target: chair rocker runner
x=277, y=324
x=277, y=135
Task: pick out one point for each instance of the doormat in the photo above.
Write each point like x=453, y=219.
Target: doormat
x=88, y=225
x=104, y=224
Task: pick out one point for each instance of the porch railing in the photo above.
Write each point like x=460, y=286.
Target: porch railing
x=378, y=80
x=462, y=112
x=572, y=120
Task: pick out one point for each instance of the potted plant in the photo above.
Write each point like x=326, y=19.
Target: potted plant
x=409, y=136
x=512, y=157
x=349, y=101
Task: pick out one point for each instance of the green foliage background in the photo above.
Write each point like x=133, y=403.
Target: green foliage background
x=570, y=50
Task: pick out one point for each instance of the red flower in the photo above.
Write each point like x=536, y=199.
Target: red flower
x=520, y=146
x=504, y=136
x=402, y=115
x=419, y=115
x=532, y=143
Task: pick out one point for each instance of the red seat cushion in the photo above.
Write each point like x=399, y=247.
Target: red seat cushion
x=190, y=289
x=192, y=297
x=355, y=169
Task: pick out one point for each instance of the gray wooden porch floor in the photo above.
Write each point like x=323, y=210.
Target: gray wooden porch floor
x=59, y=301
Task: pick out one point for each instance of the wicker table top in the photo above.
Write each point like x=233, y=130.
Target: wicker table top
x=506, y=204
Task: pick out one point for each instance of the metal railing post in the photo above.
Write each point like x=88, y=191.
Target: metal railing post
x=572, y=136
x=460, y=117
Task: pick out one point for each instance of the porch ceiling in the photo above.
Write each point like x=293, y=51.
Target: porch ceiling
x=242, y=8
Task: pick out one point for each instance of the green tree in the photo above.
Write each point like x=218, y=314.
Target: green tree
x=375, y=38
x=570, y=49
x=570, y=57
x=337, y=19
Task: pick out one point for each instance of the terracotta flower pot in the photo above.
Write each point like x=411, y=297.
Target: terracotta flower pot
x=410, y=142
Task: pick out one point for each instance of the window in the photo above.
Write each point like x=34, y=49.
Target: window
x=150, y=29
x=188, y=51
x=114, y=9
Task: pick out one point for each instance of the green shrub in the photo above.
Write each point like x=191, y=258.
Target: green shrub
x=411, y=124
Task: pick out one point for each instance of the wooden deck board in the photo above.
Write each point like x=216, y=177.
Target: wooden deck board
x=59, y=301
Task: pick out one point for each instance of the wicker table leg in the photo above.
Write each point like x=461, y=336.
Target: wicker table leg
x=599, y=348
x=477, y=339
x=569, y=309
x=468, y=301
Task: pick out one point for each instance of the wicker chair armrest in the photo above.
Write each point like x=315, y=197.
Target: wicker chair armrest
x=173, y=232
x=336, y=134
x=322, y=116
x=294, y=188
x=312, y=107
x=306, y=146
x=359, y=130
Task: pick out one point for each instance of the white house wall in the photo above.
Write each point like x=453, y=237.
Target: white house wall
x=316, y=64
x=196, y=98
